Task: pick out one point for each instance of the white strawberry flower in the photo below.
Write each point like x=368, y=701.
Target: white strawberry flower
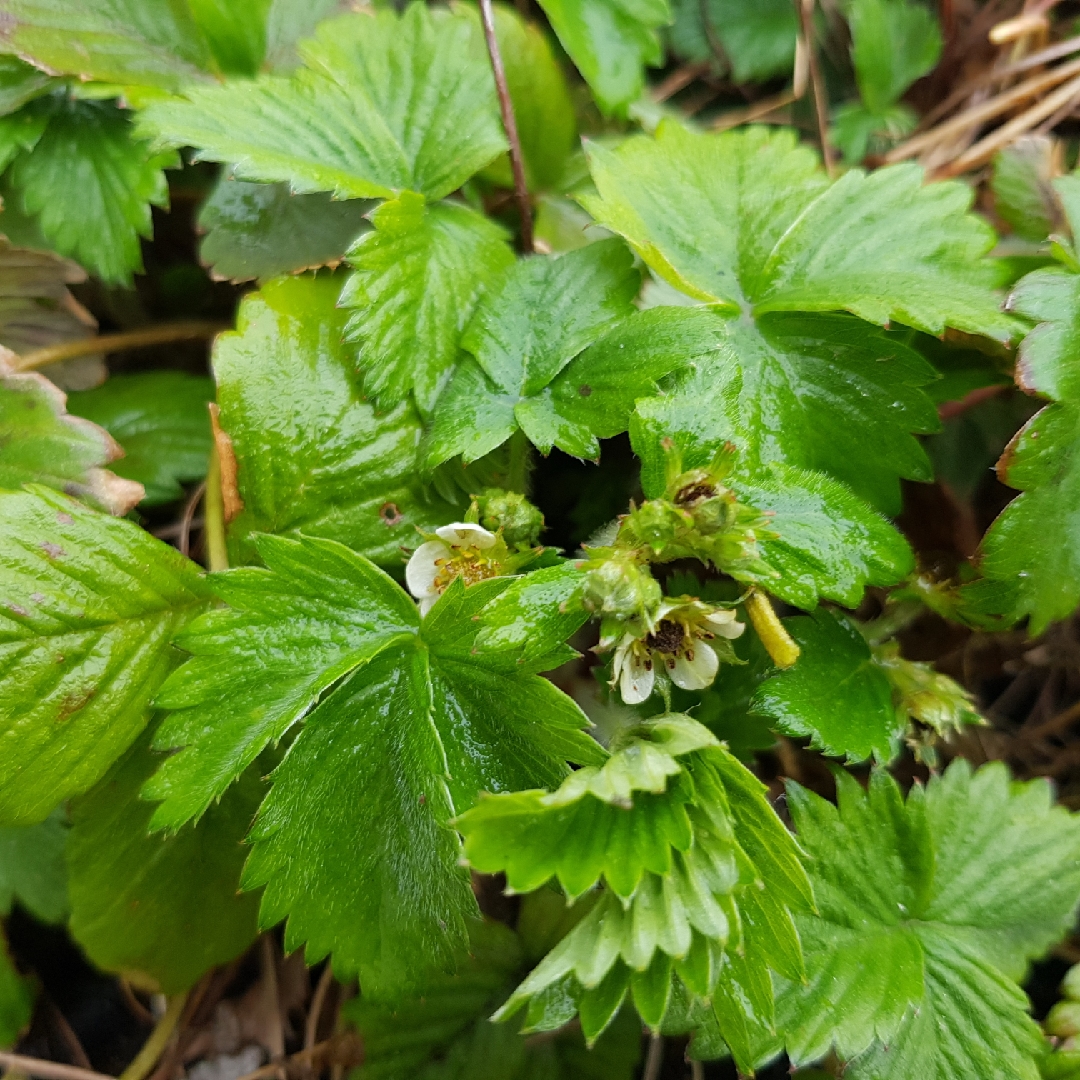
x=679, y=641
x=456, y=553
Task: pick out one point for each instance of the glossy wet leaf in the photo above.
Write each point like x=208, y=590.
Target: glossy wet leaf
x=836, y=693
x=540, y=377
x=313, y=456
x=88, y=606
x=417, y=278
x=290, y=631
x=160, y=910
x=257, y=231
x=44, y=444
x=384, y=103
x=160, y=420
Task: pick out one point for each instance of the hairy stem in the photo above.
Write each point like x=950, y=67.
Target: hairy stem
x=506, y=108
x=164, y=334
x=521, y=463
x=217, y=553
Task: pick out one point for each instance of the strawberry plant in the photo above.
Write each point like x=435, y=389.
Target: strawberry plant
x=547, y=670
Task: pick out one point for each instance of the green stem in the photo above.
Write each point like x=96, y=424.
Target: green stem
x=217, y=553
x=153, y=1048
x=892, y=620
x=521, y=463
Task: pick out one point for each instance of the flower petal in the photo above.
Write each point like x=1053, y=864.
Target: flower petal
x=724, y=624
x=696, y=668
x=636, y=680
x=464, y=534
x=422, y=568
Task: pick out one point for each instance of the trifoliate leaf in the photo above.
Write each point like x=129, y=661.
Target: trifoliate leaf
x=89, y=606
x=591, y=395
x=836, y=693
x=160, y=910
x=33, y=873
x=1024, y=195
x=418, y=277
x=750, y=222
x=445, y=1034
x=37, y=310
x=290, y=631
x=90, y=185
x=543, y=109
x=421, y=719
x=678, y=831
x=384, y=103
x=161, y=421
x=610, y=41
x=44, y=444
x=147, y=42
x=926, y=910
x=894, y=42
x=312, y=456
x=256, y=231
x=16, y=1000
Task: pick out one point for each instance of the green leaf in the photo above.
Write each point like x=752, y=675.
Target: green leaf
x=160, y=419
x=836, y=693
x=418, y=277
x=610, y=41
x=532, y=368
x=16, y=1000
x=384, y=103
x=90, y=185
x=825, y=392
x=894, y=42
x=32, y=869
x=926, y=912
x=159, y=908
x=749, y=221
x=257, y=231
x=44, y=444
x=313, y=457
x=412, y=721
x=90, y=604
x=1024, y=196
x=680, y=834
x=1032, y=545
x=146, y=42
x=289, y=633
x=543, y=109
x=20, y=83
x=235, y=32
x=756, y=39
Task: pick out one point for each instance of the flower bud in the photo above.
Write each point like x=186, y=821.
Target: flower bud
x=620, y=586
x=1064, y=1019
x=519, y=520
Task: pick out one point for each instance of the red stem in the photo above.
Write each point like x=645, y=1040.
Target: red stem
x=506, y=108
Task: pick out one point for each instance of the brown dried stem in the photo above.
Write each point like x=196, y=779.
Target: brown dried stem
x=506, y=108
x=47, y=1070
x=164, y=334
x=821, y=105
